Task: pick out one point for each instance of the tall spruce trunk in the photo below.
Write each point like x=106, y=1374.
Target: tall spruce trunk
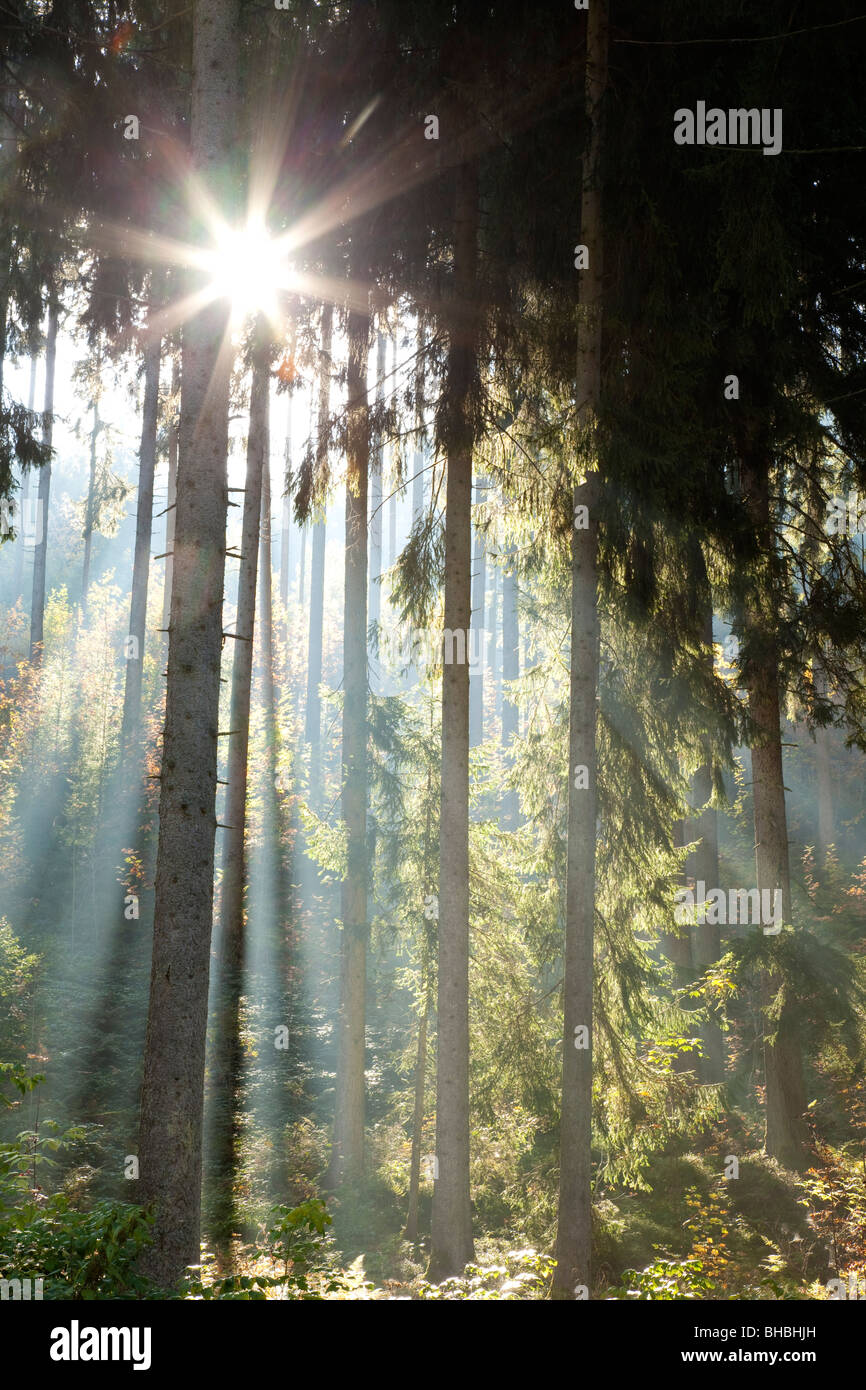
x=21, y=546
x=703, y=863
x=286, y=526
x=785, y=1096
x=823, y=743
x=572, y=1276
x=411, y=1231
x=396, y=490
x=317, y=572
x=40, y=556
x=171, y=500
x=174, y=1055
x=91, y=504
x=478, y=649
x=228, y=1063
x=374, y=602
x=347, y=1153
x=272, y=808
x=418, y=455
x=677, y=947
x=131, y=720
x=451, y=1242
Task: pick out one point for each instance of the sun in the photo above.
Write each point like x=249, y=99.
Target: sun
x=250, y=268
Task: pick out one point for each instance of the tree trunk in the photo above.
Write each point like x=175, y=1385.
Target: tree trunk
x=21, y=546
x=37, y=609
x=174, y=1055
x=677, y=947
x=317, y=572
x=347, y=1155
x=375, y=587
x=302, y=577
x=228, y=1066
x=703, y=866
x=141, y=561
x=418, y=456
x=510, y=672
x=823, y=738
x=476, y=676
x=411, y=1231
x=91, y=504
x=574, y=1225
x=395, y=490
x=451, y=1244
x=786, y=1132
x=171, y=501
x=286, y=526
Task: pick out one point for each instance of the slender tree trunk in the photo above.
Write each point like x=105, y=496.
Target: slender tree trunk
x=317, y=573
x=302, y=578
x=476, y=677
x=392, y=482
x=272, y=834
x=18, y=589
x=823, y=737
x=228, y=1067
x=703, y=864
x=418, y=456
x=37, y=610
x=91, y=505
x=785, y=1090
x=451, y=1244
x=510, y=672
x=171, y=502
x=572, y=1276
x=496, y=639
x=411, y=1231
x=347, y=1156
x=286, y=526
x=174, y=1055
x=677, y=947
x=375, y=587
x=141, y=562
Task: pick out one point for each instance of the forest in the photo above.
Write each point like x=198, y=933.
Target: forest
x=432, y=669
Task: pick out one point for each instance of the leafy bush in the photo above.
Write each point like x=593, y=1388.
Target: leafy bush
x=524, y=1274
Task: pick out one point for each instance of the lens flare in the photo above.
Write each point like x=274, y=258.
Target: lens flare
x=250, y=268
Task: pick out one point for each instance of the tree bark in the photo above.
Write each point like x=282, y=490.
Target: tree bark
x=786, y=1131
x=18, y=587
x=452, y=1244
x=418, y=456
x=91, y=504
x=228, y=1066
x=171, y=501
x=375, y=588
x=286, y=526
x=174, y=1056
x=510, y=672
x=703, y=866
x=141, y=561
x=37, y=609
x=572, y=1275
x=347, y=1155
x=411, y=1231
x=823, y=737
x=476, y=677
x=317, y=571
